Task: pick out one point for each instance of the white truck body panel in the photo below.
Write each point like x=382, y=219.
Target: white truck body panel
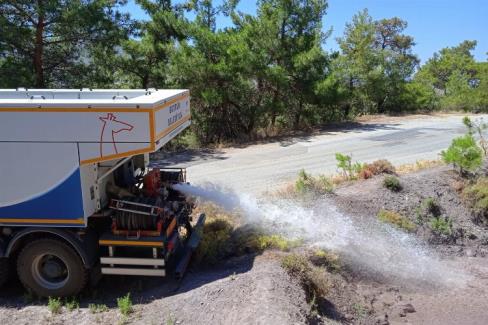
x=53, y=141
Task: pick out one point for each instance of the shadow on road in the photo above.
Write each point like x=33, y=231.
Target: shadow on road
x=185, y=158
x=332, y=129
x=329, y=129
x=188, y=158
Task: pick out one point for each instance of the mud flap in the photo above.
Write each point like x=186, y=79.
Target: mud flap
x=190, y=247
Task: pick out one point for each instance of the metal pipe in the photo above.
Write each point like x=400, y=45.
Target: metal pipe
x=120, y=162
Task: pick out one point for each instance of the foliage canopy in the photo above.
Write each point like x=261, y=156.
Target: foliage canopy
x=262, y=75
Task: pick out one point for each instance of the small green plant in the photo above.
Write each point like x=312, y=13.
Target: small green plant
x=72, y=304
x=307, y=183
x=392, y=183
x=54, y=305
x=396, y=219
x=432, y=207
x=428, y=209
x=464, y=153
x=314, y=308
x=97, y=308
x=441, y=226
x=325, y=184
x=347, y=168
x=125, y=304
x=303, y=183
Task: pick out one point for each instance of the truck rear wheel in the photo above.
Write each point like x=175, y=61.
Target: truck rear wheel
x=50, y=267
x=4, y=270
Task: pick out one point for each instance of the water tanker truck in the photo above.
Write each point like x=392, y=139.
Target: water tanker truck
x=78, y=198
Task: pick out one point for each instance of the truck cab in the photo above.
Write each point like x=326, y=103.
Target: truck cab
x=78, y=197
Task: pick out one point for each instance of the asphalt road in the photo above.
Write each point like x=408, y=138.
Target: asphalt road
x=266, y=167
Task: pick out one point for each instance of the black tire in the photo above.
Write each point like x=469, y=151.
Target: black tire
x=4, y=270
x=50, y=267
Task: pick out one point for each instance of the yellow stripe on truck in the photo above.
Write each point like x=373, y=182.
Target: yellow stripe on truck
x=129, y=243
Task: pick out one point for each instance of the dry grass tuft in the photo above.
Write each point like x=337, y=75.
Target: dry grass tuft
x=326, y=259
x=418, y=165
x=306, y=183
x=377, y=167
x=396, y=219
x=313, y=279
x=477, y=197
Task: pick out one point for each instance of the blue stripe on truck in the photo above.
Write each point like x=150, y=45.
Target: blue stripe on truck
x=62, y=202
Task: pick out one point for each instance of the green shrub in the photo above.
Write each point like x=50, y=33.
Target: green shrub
x=216, y=242
x=441, y=225
x=477, y=197
x=54, y=305
x=97, y=308
x=253, y=239
x=464, y=153
x=125, y=305
x=396, y=219
x=263, y=242
x=392, y=183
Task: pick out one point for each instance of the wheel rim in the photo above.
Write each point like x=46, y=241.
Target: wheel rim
x=50, y=271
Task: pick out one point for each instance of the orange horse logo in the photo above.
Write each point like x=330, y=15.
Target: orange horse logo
x=111, y=126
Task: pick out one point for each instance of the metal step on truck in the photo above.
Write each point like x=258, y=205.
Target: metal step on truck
x=77, y=198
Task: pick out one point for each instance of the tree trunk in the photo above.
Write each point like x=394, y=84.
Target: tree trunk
x=273, y=108
x=298, y=114
x=145, y=81
x=39, y=49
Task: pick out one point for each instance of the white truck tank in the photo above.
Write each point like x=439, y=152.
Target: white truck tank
x=54, y=144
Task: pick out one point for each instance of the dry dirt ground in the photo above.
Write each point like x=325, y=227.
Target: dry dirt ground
x=243, y=290
x=255, y=289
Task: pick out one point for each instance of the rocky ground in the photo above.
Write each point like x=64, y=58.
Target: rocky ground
x=465, y=249
x=255, y=289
